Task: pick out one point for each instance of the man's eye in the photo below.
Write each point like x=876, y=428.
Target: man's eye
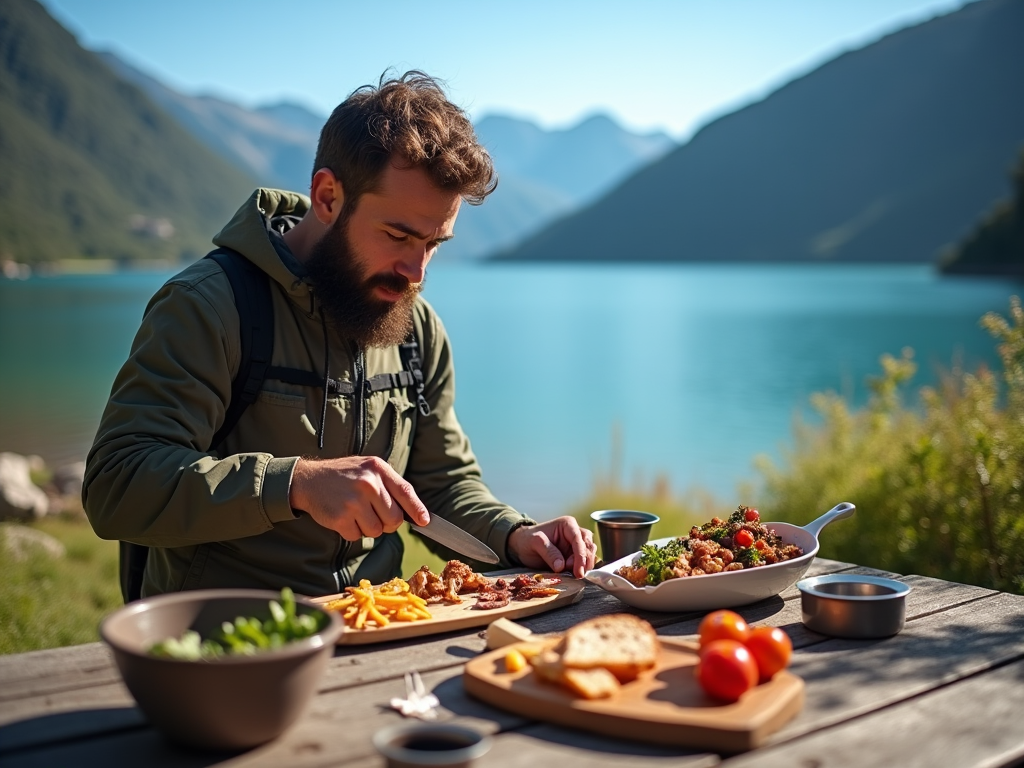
x=396, y=238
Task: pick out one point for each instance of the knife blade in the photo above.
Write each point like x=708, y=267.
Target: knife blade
x=453, y=537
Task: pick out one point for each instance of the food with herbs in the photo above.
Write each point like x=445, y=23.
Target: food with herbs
x=245, y=636
x=734, y=657
x=367, y=605
x=742, y=541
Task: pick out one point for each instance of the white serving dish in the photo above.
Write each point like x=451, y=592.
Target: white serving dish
x=721, y=590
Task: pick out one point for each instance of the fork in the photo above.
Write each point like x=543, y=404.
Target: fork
x=417, y=702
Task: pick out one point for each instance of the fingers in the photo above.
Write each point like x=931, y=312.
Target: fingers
x=402, y=492
x=544, y=548
x=582, y=557
x=355, y=496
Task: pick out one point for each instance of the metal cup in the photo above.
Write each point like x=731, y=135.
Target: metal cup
x=622, y=531
x=414, y=745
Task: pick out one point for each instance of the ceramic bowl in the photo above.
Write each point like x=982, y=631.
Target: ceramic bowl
x=228, y=703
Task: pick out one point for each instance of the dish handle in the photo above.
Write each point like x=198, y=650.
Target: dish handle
x=838, y=512
x=609, y=581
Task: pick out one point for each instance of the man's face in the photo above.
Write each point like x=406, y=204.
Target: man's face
x=369, y=267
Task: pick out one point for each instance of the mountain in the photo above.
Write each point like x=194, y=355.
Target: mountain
x=543, y=174
x=996, y=246
x=546, y=174
x=91, y=167
x=883, y=154
x=274, y=144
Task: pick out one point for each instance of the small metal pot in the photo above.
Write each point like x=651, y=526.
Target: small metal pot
x=849, y=605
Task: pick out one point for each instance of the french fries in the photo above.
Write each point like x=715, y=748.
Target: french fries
x=367, y=605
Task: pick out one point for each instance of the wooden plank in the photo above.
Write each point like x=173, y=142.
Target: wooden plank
x=849, y=678
x=52, y=661
x=927, y=596
x=975, y=722
x=97, y=697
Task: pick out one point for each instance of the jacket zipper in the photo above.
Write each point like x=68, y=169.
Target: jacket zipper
x=359, y=403
x=358, y=443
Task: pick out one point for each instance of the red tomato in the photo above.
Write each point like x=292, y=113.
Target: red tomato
x=771, y=649
x=752, y=515
x=726, y=670
x=743, y=538
x=722, y=625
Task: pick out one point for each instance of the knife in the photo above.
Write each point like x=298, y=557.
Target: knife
x=453, y=537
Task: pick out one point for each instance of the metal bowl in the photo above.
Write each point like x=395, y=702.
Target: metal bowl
x=849, y=605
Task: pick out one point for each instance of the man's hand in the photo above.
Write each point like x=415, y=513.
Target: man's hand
x=560, y=544
x=355, y=496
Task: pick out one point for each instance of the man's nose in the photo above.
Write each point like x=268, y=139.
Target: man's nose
x=414, y=268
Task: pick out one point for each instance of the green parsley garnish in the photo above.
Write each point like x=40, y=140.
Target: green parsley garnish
x=658, y=559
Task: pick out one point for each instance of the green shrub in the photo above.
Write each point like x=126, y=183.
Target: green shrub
x=937, y=486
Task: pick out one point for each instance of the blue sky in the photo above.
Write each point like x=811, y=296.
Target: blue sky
x=650, y=64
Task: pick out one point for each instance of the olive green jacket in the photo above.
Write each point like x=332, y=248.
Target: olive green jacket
x=222, y=519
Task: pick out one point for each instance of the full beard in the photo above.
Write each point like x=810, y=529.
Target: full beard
x=346, y=294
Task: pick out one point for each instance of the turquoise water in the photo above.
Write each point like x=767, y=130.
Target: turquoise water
x=697, y=368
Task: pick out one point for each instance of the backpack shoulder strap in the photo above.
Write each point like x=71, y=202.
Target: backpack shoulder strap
x=251, y=288
x=409, y=350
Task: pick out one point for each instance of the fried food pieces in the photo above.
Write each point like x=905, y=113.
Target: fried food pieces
x=457, y=578
x=379, y=606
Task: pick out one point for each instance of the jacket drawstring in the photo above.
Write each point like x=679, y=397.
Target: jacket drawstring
x=327, y=375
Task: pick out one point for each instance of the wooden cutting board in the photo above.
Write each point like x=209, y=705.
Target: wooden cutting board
x=449, y=618
x=664, y=706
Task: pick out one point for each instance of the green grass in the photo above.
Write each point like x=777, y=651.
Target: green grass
x=48, y=602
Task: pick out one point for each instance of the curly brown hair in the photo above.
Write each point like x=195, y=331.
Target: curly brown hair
x=410, y=121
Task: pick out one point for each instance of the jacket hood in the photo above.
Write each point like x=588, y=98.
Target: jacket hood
x=248, y=233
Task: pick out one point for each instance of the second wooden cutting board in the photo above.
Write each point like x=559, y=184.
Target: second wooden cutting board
x=449, y=618
x=664, y=706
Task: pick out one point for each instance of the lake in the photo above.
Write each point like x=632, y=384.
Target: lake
x=696, y=368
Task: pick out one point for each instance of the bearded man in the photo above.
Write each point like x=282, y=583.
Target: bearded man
x=308, y=487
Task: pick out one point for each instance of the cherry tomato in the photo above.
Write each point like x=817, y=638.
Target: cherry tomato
x=726, y=670
x=743, y=538
x=771, y=649
x=752, y=515
x=722, y=625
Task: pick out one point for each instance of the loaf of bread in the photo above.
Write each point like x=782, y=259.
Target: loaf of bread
x=621, y=643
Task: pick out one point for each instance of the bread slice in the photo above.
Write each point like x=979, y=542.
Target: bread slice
x=623, y=644
x=596, y=683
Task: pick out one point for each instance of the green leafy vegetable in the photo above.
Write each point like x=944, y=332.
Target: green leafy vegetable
x=245, y=636
x=658, y=559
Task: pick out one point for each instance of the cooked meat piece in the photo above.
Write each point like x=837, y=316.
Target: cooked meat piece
x=635, y=575
x=528, y=593
x=426, y=584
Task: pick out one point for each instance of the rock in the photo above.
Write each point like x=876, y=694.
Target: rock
x=68, y=478
x=20, y=540
x=20, y=498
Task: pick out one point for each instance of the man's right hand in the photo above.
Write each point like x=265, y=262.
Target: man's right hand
x=355, y=496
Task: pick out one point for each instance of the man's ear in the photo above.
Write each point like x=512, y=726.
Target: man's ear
x=327, y=196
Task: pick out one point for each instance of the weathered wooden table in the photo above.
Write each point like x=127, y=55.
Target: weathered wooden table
x=948, y=690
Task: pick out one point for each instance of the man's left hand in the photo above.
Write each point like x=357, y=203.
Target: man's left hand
x=559, y=544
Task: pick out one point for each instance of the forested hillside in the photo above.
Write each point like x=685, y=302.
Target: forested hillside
x=91, y=167
x=889, y=153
